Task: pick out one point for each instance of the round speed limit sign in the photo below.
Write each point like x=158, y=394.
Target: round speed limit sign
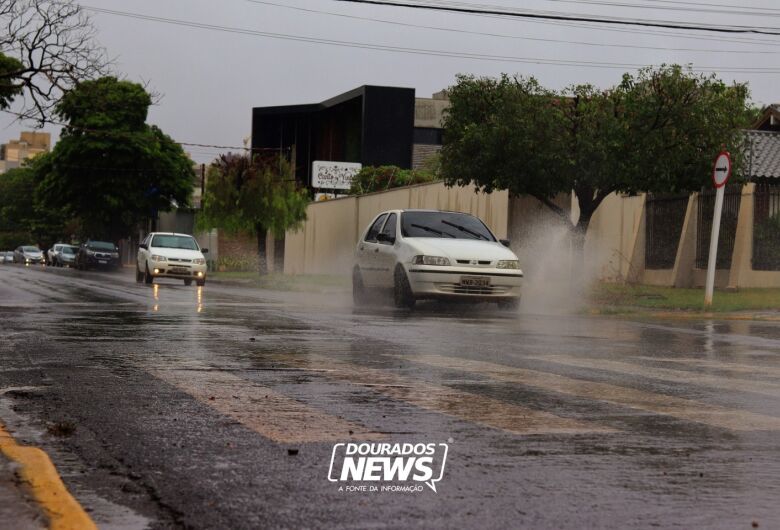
x=721, y=170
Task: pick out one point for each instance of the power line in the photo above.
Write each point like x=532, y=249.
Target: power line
x=453, y=8
x=422, y=51
x=504, y=36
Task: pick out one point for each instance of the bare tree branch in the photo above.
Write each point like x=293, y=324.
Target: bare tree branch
x=55, y=42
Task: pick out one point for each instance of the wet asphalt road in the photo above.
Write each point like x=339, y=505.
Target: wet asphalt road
x=173, y=406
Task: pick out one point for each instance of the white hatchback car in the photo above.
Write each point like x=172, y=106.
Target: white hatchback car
x=434, y=254
x=169, y=255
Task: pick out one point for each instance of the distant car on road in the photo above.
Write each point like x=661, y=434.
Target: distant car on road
x=6, y=256
x=61, y=254
x=97, y=254
x=170, y=255
x=28, y=254
x=434, y=254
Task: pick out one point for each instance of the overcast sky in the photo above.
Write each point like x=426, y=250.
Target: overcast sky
x=210, y=79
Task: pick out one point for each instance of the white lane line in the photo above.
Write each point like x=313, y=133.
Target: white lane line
x=265, y=411
x=676, y=376
x=685, y=409
x=449, y=401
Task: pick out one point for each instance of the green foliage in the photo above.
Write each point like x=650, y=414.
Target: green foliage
x=381, y=178
x=244, y=195
x=110, y=168
x=23, y=219
x=9, y=82
x=658, y=131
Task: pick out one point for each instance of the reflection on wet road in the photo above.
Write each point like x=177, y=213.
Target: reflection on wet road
x=218, y=407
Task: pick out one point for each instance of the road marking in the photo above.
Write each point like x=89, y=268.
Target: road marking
x=269, y=413
x=685, y=409
x=39, y=474
x=750, y=369
x=677, y=376
x=449, y=401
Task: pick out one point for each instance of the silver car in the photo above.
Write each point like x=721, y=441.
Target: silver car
x=62, y=254
x=6, y=256
x=28, y=255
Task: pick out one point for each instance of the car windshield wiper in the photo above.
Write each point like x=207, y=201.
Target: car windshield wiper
x=464, y=229
x=435, y=231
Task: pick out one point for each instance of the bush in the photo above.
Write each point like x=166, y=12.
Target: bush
x=381, y=178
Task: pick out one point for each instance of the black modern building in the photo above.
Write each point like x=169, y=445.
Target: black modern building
x=372, y=125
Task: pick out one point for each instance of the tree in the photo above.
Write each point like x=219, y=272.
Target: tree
x=111, y=169
x=253, y=194
x=658, y=131
x=48, y=47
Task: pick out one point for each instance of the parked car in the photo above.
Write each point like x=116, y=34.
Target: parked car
x=28, y=255
x=434, y=254
x=97, y=254
x=61, y=254
x=7, y=256
x=170, y=255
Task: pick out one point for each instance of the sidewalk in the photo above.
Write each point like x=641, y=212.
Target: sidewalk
x=17, y=508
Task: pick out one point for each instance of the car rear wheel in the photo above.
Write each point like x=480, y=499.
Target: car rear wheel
x=148, y=278
x=187, y=282
x=358, y=288
x=402, y=291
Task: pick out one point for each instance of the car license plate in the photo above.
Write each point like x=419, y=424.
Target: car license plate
x=102, y=261
x=474, y=281
x=178, y=269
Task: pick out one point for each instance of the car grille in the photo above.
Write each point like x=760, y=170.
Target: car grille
x=178, y=260
x=455, y=288
x=473, y=262
x=102, y=255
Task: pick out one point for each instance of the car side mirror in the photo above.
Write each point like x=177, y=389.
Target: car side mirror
x=204, y=251
x=145, y=247
x=384, y=238
x=504, y=242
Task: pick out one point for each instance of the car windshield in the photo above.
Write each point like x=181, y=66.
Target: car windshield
x=185, y=242
x=30, y=249
x=101, y=245
x=68, y=250
x=444, y=225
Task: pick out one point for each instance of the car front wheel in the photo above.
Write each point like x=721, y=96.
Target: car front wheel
x=402, y=291
x=139, y=276
x=200, y=283
x=148, y=278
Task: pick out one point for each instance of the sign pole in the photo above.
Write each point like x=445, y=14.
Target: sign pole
x=721, y=172
x=710, y=286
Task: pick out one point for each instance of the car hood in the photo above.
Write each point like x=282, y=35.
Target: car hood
x=177, y=253
x=456, y=249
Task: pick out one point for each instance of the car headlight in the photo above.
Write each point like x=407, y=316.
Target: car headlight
x=431, y=260
x=155, y=257
x=508, y=264
x=199, y=261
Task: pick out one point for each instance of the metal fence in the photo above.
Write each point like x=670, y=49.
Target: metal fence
x=664, y=218
x=728, y=226
x=766, y=226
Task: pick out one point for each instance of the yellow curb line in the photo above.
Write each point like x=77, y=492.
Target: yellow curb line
x=40, y=475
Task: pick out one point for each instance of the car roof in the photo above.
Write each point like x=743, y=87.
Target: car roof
x=170, y=234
